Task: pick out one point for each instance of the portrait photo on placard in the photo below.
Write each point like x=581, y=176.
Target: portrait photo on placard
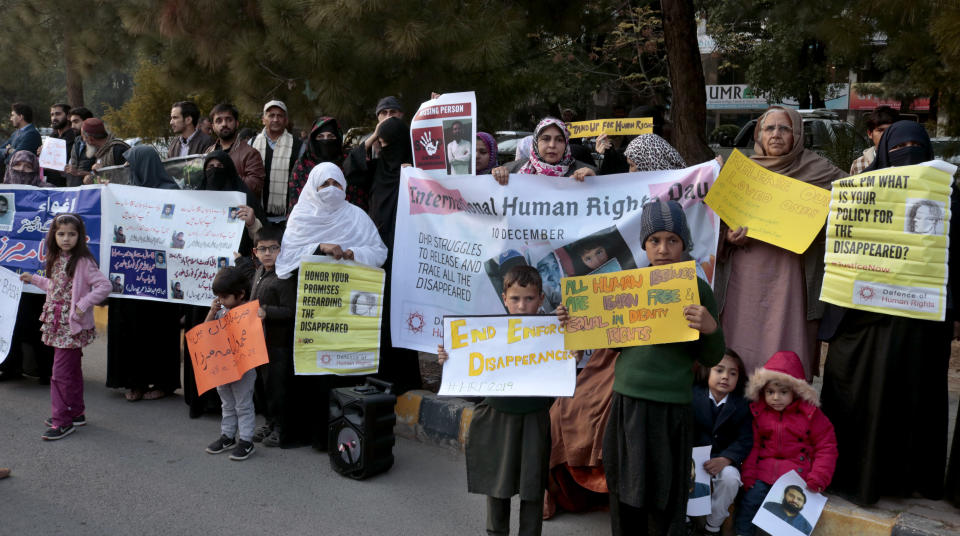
x=363, y=303
x=232, y=214
x=790, y=508
x=698, y=497
x=599, y=252
x=924, y=216
x=168, y=210
x=116, y=283
x=8, y=211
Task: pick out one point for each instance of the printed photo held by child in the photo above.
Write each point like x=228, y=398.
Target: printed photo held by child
x=232, y=288
x=508, y=446
x=789, y=433
x=722, y=420
x=649, y=437
x=74, y=284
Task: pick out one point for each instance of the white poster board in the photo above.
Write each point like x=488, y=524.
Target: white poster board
x=698, y=501
x=790, y=509
x=444, y=135
x=515, y=355
x=10, y=289
x=53, y=155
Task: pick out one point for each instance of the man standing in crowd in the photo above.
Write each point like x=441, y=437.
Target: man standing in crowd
x=877, y=123
x=78, y=163
x=60, y=123
x=387, y=107
x=279, y=150
x=225, y=119
x=206, y=127
x=101, y=145
x=26, y=137
x=184, y=117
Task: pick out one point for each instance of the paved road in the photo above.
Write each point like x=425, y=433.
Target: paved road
x=139, y=468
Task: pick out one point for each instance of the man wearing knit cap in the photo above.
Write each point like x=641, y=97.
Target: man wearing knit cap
x=101, y=145
x=387, y=107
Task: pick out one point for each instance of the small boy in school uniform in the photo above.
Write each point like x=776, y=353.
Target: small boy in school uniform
x=508, y=447
x=278, y=302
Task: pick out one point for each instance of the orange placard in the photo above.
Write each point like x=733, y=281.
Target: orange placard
x=223, y=349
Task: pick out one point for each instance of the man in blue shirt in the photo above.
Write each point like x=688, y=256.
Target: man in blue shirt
x=26, y=137
x=789, y=509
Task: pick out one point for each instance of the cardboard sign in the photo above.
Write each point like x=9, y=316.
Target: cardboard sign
x=10, y=290
x=223, y=350
x=611, y=127
x=506, y=356
x=53, y=155
x=698, y=499
x=774, y=208
x=888, y=241
x=630, y=308
x=339, y=307
x=790, y=509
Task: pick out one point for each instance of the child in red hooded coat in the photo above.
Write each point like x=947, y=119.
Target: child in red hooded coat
x=789, y=433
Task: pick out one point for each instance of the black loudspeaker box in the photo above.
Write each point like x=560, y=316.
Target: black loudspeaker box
x=360, y=434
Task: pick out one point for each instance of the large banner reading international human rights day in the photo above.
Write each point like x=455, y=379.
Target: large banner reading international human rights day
x=456, y=238
x=888, y=240
x=339, y=307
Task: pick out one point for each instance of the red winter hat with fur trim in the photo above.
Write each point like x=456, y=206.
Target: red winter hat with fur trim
x=784, y=368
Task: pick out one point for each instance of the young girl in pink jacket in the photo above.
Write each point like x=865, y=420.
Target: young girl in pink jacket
x=789, y=433
x=74, y=285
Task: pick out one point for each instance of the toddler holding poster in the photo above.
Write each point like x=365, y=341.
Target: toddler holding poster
x=648, y=440
x=232, y=288
x=508, y=446
x=789, y=433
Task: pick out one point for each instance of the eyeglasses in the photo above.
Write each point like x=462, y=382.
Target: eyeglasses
x=782, y=129
x=265, y=249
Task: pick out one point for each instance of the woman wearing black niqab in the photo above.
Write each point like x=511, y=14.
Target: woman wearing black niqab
x=145, y=362
x=885, y=379
x=382, y=177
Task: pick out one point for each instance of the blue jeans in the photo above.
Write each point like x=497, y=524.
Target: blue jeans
x=749, y=505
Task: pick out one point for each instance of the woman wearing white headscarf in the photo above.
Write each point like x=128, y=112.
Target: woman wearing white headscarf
x=324, y=223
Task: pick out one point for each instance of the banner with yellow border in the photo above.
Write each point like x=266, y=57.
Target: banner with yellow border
x=339, y=306
x=888, y=240
x=611, y=127
x=774, y=208
x=630, y=308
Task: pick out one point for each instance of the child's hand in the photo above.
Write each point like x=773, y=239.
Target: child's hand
x=236, y=255
x=25, y=277
x=441, y=354
x=563, y=315
x=700, y=319
x=261, y=312
x=738, y=236
x=215, y=304
x=715, y=465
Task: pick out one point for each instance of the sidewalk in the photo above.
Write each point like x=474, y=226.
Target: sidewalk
x=445, y=421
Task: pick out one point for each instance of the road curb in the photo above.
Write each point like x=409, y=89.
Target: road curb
x=445, y=422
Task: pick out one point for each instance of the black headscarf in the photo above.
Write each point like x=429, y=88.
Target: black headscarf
x=386, y=177
x=146, y=169
x=226, y=179
x=896, y=134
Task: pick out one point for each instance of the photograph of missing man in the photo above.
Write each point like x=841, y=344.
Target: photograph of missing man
x=232, y=214
x=458, y=142
x=160, y=259
x=790, y=508
x=924, y=216
x=168, y=211
x=7, y=211
x=176, y=292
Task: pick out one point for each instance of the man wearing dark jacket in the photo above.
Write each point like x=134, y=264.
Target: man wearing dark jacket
x=107, y=149
x=26, y=137
x=188, y=139
x=60, y=123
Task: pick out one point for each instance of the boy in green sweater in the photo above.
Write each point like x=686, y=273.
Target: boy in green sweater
x=649, y=437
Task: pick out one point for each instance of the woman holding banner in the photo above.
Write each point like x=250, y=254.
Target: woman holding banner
x=145, y=362
x=549, y=155
x=769, y=297
x=885, y=379
x=27, y=352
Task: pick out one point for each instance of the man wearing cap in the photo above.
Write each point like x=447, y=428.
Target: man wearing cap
x=387, y=107
x=225, y=119
x=101, y=145
x=184, y=117
x=26, y=137
x=279, y=150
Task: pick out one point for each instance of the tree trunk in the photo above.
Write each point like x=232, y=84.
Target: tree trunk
x=689, y=102
x=74, y=80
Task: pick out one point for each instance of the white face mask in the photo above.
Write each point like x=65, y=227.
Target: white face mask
x=331, y=197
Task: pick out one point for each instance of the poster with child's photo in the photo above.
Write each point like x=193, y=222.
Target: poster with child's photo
x=698, y=501
x=599, y=252
x=790, y=508
x=8, y=211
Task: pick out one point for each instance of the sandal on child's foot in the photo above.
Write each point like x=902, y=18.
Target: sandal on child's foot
x=154, y=394
x=133, y=395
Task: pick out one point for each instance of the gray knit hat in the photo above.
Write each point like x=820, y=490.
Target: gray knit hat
x=665, y=216
x=387, y=103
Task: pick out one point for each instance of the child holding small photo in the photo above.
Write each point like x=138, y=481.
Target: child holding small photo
x=789, y=433
x=722, y=421
x=508, y=446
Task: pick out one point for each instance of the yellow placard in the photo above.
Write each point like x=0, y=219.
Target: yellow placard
x=774, y=208
x=887, y=242
x=339, y=306
x=611, y=127
x=630, y=308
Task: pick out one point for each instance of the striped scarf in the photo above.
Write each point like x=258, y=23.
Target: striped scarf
x=279, y=170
